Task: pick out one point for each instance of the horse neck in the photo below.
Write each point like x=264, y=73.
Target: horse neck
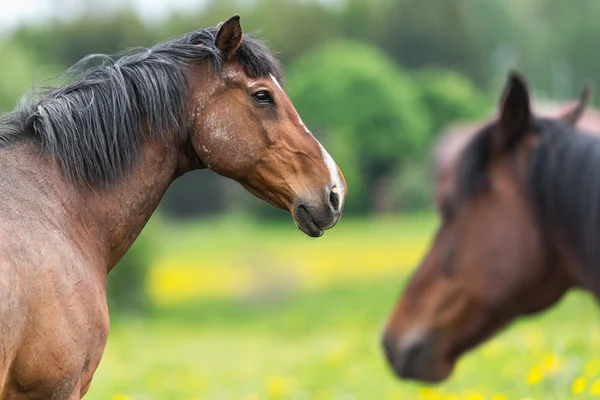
x=120, y=212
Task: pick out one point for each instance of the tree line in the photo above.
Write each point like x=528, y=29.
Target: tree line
x=376, y=80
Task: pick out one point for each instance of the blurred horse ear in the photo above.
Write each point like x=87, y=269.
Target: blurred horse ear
x=572, y=117
x=229, y=37
x=515, y=111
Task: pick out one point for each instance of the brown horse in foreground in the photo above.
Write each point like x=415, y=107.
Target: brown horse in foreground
x=519, y=229
x=84, y=166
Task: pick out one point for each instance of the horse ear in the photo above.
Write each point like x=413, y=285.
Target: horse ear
x=515, y=111
x=229, y=37
x=572, y=117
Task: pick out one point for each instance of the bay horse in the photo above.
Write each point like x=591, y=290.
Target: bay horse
x=519, y=229
x=83, y=167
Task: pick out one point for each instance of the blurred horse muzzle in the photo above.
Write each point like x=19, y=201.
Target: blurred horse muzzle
x=415, y=356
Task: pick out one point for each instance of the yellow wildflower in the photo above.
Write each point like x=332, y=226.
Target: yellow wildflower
x=579, y=385
x=426, y=393
x=595, y=388
x=535, y=375
x=474, y=396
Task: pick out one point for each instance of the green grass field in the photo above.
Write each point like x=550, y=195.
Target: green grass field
x=300, y=331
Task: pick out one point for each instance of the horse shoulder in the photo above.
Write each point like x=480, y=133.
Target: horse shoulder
x=64, y=321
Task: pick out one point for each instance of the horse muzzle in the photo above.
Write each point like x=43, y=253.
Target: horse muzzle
x=313, y=218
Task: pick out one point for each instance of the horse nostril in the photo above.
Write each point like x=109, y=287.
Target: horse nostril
x=334, y=199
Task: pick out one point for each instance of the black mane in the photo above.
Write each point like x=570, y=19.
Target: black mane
x=94, y=124
x=565, y=189
x=563, y=180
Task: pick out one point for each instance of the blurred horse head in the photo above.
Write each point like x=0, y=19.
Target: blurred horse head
x=519, y=228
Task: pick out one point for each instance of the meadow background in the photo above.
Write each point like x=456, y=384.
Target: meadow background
x=222, y=298
x=244, y=309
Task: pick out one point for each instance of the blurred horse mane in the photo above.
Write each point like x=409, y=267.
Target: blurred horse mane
x=562, y=179
x=94, y=124
x=565, y=189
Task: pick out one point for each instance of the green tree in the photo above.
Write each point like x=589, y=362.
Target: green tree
x=570, y=33
x=449, y=96
x=66, y=42
x=296, y=27
x=366, y=111
x=435, y=33
x=17, y=75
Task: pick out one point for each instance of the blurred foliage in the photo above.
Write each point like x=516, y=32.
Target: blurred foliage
x=449, y=96
x=65, y=43
x=126, y=284
x=364, y=107
x=412, y=186
x=18, y=74
x=375, y=80
x=439, y=33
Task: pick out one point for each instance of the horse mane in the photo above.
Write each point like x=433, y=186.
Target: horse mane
x=563, y=184
x=565, y=187
x=94, y=125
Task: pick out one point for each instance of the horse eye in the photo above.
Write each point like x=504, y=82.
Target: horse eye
x=263, y=97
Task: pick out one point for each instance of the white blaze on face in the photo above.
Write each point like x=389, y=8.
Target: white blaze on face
x=336, y=179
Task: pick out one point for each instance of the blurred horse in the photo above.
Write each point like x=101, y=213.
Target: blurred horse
x=84, y=166
x=519, y=228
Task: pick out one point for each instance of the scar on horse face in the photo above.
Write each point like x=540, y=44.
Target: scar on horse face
x=94, y=160
x=514, y=237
